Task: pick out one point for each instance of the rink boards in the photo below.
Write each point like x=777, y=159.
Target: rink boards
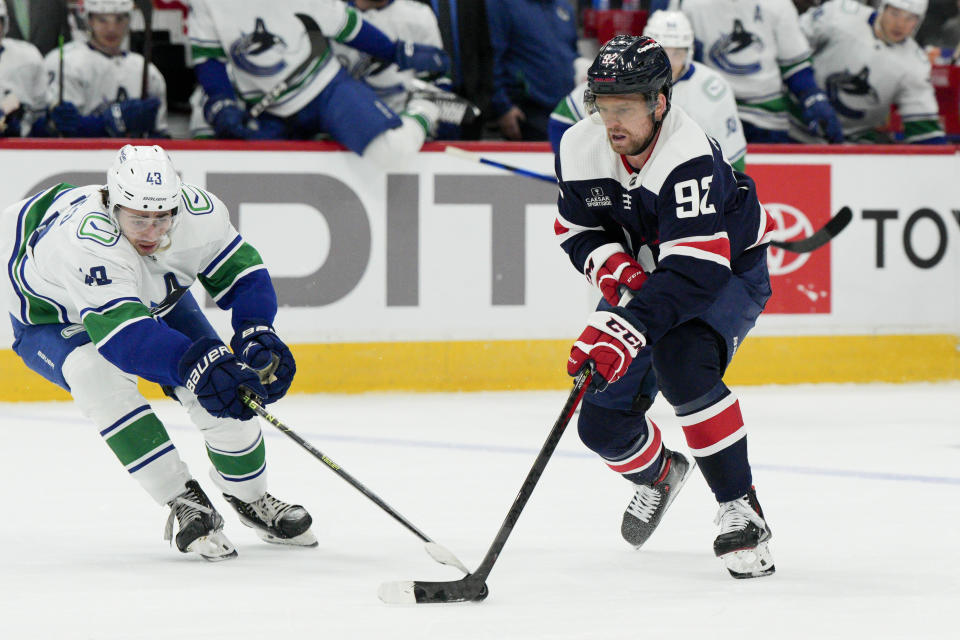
x=444, y=275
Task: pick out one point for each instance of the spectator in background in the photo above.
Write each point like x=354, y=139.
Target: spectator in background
x=466, y=38
x=760, y=50
x=697, y=89
x=867, y=59
x=947, y=36
x=413, y=22
x=101, y=92
x=534, y=48
x=23, y=84
x=39, y=22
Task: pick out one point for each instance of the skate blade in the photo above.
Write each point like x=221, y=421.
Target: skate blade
x=213, y=548
x=750, y=563
x=305, y=539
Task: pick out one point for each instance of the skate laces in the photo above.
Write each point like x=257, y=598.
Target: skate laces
x=270, y=509
x=645, y=503
x=736, y=514
x=185, y=510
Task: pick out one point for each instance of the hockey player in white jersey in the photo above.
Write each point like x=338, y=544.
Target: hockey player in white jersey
x=23, y=84
x=757, y=45
x=97, y=290
x=866, y=59
x=647, y=185
x=102, y=81
x=698, y=89
x=288, y=84
x=413, y=22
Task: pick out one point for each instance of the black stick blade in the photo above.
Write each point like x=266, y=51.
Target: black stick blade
x=424, y=592
x=822, y=236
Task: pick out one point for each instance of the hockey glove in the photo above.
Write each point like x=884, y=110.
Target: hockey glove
x=230, y=120
x=619, y=270
x=820, y=118
x=423, y=58
x=131, y=118
x=217, y=378
x=611, y=342
x=65, y=118
x=256, y=345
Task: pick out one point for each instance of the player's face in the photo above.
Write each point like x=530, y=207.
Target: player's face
x=896, y=25
x=144, y=229
x=678, y=60
x=364, y=5
x=107, y=30
x=628, y=121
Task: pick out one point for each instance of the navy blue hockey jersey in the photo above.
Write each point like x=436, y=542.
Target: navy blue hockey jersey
x=701, y=219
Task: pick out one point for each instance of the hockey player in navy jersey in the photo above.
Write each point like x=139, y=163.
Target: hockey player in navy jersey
x=98, y=296
x=648, y=206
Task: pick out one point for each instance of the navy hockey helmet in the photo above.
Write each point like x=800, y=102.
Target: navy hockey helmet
x=630, y=64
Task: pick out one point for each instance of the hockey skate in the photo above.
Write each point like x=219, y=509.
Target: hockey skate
x=650, y=502
x=451, y=108
x=276, y=521
x=742, y=543
x=200, y=527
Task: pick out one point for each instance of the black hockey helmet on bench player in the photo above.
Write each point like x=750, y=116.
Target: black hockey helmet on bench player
x=626, y=65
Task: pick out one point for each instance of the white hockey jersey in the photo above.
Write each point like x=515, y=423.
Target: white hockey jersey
x=265, y=45
x=92, y=79
x=400, y=20
x=862, y=75
x=755, y=44
x=702, y=93
x=22, y=77
x=69, y=263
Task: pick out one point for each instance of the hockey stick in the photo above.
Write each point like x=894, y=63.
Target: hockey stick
x=146, y=8
x=438, y=552
x=822, y=236
x=474, y=157
x=318, y=46
x=473, y=587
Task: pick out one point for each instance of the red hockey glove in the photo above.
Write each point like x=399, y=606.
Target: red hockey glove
x=619, y=270
x=611, y=342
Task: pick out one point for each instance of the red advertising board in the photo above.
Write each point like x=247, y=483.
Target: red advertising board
x=798, y=198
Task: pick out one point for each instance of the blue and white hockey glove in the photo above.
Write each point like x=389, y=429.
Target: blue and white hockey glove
x=230, y=120
x=423, y=58
x=217, y=378
x=821, y=119
x=257, y=345
x=65, y=119
x=131, y=118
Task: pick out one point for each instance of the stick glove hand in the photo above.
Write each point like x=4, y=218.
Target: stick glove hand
x=611, y=342
x=619, y=270
x=218, y=379
x=257, y=345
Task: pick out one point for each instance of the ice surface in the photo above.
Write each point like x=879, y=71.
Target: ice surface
x=861, y=485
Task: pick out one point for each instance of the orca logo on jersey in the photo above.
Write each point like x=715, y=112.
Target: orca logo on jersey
x=731, y=44
x=856, y=85
x=598, y=198
x=258, y=43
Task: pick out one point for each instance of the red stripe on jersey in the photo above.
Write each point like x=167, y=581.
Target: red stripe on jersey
x=718, y=246
x=712, y=430
x=645, y=456
x=559, y=229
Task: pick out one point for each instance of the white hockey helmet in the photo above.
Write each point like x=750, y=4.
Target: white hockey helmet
x=107, y=6
x=916, y=7
x=671, y=29
x=143, y=179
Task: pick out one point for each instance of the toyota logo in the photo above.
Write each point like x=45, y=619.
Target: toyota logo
x=791, y=223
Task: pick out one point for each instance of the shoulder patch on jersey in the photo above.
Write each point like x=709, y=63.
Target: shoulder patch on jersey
x=98, y=227
x=714, y=88
x=196, y=201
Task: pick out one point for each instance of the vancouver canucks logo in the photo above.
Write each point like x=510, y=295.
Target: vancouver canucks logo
x=857, y=85
x=259, y=53
x=733, y=43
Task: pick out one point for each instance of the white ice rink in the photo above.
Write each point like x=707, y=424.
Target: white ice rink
x=861, y=485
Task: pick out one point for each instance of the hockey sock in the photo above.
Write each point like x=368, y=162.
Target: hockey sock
x=717, y=438
x=642, y=464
